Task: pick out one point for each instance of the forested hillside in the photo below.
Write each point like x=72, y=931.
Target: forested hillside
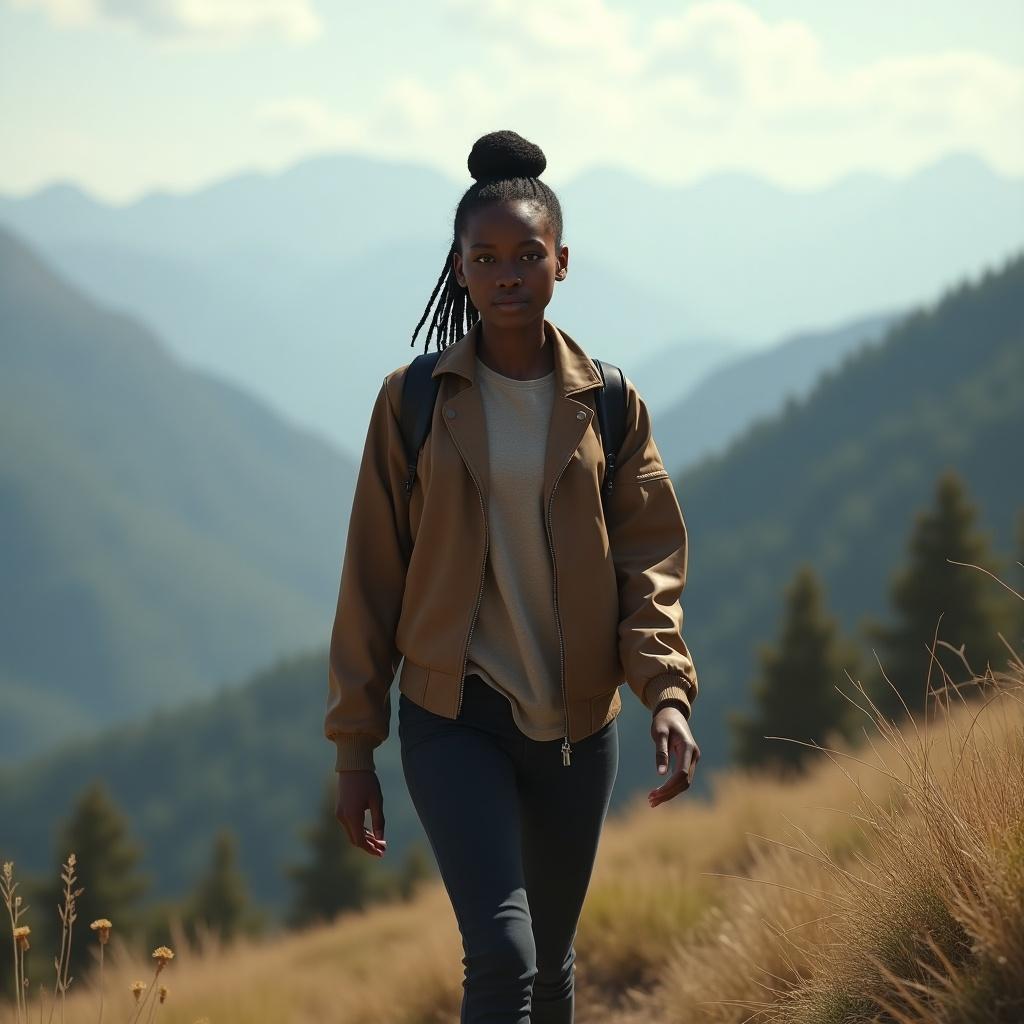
x=164, y=533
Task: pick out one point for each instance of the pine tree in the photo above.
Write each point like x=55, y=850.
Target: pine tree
x=97, y=832
x=973, y=607
x=220, y=901
x=796, y=693
x=337, y=876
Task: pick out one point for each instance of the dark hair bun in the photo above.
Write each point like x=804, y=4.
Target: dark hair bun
x=505, y=154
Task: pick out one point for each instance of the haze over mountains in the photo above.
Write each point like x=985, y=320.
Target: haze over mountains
x=305, y=286
x=749, y=385
x=163, y=531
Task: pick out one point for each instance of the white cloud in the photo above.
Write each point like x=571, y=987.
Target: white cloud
x=311, y=121
x=713, y=85
x=405, y=108
x=189, y=22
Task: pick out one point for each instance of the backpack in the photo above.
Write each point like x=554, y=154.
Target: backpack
x=419, y=393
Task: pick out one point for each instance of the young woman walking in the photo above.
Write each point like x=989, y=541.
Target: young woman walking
x=518, y=599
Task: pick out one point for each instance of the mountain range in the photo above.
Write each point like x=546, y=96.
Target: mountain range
x=305, y=286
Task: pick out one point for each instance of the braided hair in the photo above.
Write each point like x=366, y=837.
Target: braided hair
x=504, y=166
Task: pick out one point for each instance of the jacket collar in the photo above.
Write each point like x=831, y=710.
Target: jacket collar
x=463, y=410
x=574, y=369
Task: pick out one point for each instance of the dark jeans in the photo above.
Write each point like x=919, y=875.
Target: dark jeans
x=515, y=835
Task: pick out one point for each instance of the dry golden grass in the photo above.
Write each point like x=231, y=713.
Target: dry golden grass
x=916, y=916
x=886, y=885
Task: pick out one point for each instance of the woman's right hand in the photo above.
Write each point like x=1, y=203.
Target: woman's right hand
x=359, y=792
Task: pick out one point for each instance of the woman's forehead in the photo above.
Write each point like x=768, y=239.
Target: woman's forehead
x=520, y=219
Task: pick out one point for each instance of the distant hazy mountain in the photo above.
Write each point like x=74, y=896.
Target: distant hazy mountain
x=163, y=532
x=836, y=480
x=750, y=386
x=677, y=369
x=305, y=286
x=756, y=261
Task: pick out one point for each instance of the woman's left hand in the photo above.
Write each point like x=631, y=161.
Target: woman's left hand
x=671, y=734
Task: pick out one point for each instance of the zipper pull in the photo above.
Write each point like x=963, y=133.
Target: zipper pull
x=566, y=751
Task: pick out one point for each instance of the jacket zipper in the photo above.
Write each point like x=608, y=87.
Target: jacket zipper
x=480, y=589
x=566, y=748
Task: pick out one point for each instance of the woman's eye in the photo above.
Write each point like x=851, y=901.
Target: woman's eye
x=486, y=257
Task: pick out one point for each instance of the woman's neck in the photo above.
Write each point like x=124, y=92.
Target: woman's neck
x=522, y=353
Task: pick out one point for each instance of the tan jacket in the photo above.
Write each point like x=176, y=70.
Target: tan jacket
x=414, y=565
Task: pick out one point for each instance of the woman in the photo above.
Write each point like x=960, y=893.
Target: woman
x=517, y=600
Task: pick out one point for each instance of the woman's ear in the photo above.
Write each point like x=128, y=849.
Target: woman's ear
x=562, y=268
x=457, y=268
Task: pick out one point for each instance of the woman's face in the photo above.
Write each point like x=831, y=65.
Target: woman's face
x=507, y=260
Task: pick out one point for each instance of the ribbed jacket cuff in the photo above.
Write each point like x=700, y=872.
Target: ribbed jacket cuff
x=668, y=686
x=355, y=753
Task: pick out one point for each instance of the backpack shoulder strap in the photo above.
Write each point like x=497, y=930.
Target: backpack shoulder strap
x=419, y=393
x=611, y=416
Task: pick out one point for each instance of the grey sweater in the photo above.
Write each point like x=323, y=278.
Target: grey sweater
x=514, y=646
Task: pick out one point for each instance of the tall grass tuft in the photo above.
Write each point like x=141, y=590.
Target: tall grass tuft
x=919, y=919
x=68, y=913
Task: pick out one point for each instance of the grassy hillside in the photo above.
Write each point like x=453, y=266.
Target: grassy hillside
x=889, y=878
x=163, y=532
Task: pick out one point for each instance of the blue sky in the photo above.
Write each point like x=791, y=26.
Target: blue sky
x=125, y=97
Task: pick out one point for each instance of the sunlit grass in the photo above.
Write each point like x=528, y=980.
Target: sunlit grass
x=886, y=884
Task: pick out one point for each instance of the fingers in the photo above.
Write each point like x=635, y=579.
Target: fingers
x=661, y=753
x=687, y=753
x=377, y=818
x=371, y=844
x=352, y=818
x=367, y=840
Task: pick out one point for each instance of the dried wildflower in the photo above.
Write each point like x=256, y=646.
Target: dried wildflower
x=21, y=934
x=163, y=956
x=138, y=987
x=102, y=926
x=163, y=993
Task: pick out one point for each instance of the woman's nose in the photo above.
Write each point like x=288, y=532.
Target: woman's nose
x=510, y=278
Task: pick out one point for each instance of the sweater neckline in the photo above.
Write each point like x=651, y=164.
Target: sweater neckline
x=513, y=382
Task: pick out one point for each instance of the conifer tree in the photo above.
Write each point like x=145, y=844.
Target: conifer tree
x=795, y=695
x=337, y=875
x=97, y=832
x=220, y=901
x=973, y=607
